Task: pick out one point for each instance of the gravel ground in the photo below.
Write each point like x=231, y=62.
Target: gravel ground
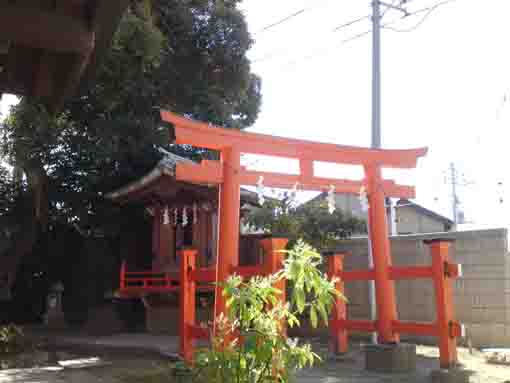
x=348, y=369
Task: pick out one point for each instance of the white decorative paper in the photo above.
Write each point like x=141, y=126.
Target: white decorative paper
x=184, y=216
x=166, y=216
x=363, y=198
x=260, y=190
x=331, y=199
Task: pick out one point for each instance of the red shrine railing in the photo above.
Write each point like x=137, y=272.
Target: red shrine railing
x=191, y=279
x=138, y=283
x=133, y=282
x=441, y=272
x=190, y=276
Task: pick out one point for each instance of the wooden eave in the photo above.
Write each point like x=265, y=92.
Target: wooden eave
x=165, y=185
x=47, y=48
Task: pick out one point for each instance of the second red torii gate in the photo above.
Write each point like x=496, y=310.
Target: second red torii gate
x=230, y=175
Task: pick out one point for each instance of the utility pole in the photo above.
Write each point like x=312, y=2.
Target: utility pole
x=376, y=74
x=455, y=199
x=376, y=117
x=456, y=180
x=376, y=133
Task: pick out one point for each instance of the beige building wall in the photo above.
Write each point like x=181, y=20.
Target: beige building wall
x=482, y=295
x=350, y=203
x=409, y=221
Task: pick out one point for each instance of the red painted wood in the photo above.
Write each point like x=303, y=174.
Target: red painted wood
x=187, y=304
x=355, y=325
x=198, y=332
x=381, y=252
x=312, y=183
x=415, y=328
x=339, y=337
x=444, y=303
x=208, y=172
x=203, y=275
x=413, y=272
x=205, y=135
x=228, y=228
x=357, y=275
x=273, y=262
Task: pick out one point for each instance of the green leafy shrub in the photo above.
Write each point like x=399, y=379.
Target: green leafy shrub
x=250, y=345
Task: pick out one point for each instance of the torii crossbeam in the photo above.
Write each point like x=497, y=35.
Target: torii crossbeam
x=230, y=175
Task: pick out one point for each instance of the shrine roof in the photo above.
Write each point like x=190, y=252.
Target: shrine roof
x=160, y=185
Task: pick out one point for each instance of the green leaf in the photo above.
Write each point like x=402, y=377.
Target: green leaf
x=313, y=317
x=323, y=312
x=300, y=299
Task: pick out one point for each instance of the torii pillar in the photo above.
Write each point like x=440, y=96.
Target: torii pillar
x=381, y=252
x=228, y=219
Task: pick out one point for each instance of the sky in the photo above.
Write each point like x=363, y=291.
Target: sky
x=445, y=85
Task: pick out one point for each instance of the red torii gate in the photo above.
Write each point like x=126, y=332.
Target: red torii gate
x=230, y=175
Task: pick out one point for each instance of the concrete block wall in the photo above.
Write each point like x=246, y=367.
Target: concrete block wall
x=482, y=296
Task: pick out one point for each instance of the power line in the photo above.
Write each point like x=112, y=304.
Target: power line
x=328, y=49
x=349, y=23
x=286, y=19
x=276, y=53
x=428, y=10
x=282, y=21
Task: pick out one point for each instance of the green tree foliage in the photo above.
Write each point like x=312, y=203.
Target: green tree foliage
x=185, y=55
x=310, y=221
x=256, y=314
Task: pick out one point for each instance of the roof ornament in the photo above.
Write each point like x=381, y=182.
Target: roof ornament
x=331, y=199
x=363, y=198
x=260, y=190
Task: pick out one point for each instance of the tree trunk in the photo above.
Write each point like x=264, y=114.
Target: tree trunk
x=32, y=223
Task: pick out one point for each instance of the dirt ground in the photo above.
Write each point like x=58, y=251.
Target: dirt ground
x=129, y=367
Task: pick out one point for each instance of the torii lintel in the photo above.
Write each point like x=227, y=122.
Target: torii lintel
x=208, y=136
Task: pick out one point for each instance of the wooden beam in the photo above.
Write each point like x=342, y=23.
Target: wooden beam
x=411, y=272
x=204, y=135
x=306, y=168
x=43, y=29
x=358, y=275
x=211, y=173
x=208, y=172
x=415, y=328
x=287, y=181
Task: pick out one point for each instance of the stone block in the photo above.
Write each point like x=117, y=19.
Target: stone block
x=451, y=376
x=390, y=358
